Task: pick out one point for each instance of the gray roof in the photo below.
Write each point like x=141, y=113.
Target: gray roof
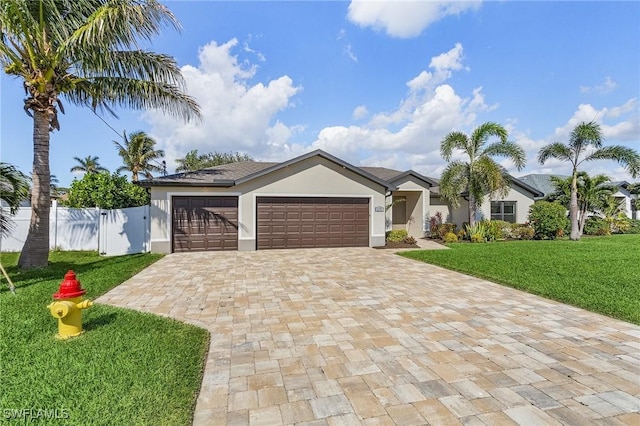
x=541, y=182
x=391, y=175
x=229, y=175
x=223, y=175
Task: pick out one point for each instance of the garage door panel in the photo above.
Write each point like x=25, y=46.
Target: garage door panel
x=205, y=223
x=312, y=222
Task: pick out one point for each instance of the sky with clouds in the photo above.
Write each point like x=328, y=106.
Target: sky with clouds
x=375, y=83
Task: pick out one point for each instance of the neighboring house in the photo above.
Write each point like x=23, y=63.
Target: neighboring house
x=541, y=182
x=544, y=184
x=314, y=200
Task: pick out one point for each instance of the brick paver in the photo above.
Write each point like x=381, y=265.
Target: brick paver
x=344, y=336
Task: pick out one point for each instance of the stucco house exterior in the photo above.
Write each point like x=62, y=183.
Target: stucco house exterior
x=314, y=200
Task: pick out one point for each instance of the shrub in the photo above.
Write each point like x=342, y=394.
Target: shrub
x=634, y=227
x=450, y=237
x=522, y=232
x=619, y=224
x=461, y=234
x=445, y=228
x=549, y=220
x=409, y=240
x=596, y=226
x=497, y=230
x=435, y=222
x=478, y=232
x=396, y=235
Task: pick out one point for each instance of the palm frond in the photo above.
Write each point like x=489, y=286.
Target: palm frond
x=627, y=157
x=555, y=150
x=454, y=181
x=509, y=150
x=585, y=134
x=451, y=142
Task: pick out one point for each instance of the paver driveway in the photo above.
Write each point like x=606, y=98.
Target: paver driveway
x=350, y=336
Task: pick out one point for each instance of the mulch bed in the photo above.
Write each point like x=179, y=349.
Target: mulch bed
x=397, y=245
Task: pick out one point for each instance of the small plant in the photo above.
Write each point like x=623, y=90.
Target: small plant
x=634, y=227
x=396, y=235
x=522, y=232
x=549, y=220
x=409, y=240
x=477, y=238
x=478, y=232
x=450, y=237
x=461, y=234
x=435, y=222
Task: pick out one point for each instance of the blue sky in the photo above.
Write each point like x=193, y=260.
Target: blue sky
x=375, y=83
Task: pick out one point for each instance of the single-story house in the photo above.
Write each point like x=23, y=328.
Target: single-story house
x=314, y=200
x=620, y=191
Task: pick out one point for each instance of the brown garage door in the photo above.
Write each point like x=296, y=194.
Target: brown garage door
x=205, y=223
x=301, y=222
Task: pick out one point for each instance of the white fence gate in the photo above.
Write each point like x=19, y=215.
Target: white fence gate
x=110, y=232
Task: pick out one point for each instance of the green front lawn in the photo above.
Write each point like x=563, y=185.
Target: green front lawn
x=601, y=274
x=128, y=368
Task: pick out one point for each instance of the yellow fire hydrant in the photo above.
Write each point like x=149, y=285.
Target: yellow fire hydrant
x=68, y=307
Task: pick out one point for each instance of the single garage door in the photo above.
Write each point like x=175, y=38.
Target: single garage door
x=205, y=223
x=304, y=222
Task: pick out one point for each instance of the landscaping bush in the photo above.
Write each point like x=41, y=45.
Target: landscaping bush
x=596, y=226
x=634, y=227
x=409, y=240
x=522, y=231
x=450, y=237
x=497, y=230
x=445, y=228
x=549, y=220
x=619, y=224
x=396, y=235
x=461, y=234
x=478, y=232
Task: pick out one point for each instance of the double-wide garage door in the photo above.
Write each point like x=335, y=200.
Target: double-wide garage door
x=305, y=222
x=211, y=223
x=205, y=223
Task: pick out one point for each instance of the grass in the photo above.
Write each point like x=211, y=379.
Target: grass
x=600, y=274
x=128, y=368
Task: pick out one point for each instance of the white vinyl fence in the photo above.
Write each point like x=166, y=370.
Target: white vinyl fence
x=110, y=232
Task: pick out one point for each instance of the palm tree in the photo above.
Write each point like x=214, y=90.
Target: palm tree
x=86, y=52
x=14, y=188
x=137, y=154
x=89, y=164
x=593, y=194
x=194, y=161
x=586, y=139
x=481, y=175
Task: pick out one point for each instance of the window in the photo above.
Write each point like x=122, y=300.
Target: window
x=503, y=210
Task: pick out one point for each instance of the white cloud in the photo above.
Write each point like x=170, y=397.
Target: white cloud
x=401, y=137
x=360, y=112
x=620, y=126
x=236, y=115
x=404, y=19
x=607, y=87
x=348, y=50
x=448, y=61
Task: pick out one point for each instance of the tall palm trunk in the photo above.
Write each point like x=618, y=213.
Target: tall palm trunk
x=573, y=208
x=472, y=210
x=35, y=252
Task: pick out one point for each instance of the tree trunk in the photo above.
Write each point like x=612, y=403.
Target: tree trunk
x=573, y=208
x=472, y=210
x=35, y=253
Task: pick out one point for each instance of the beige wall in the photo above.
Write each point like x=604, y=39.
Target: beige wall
x=460, y=215
x=523, y=200
x=416, y=206
x=312, y=177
